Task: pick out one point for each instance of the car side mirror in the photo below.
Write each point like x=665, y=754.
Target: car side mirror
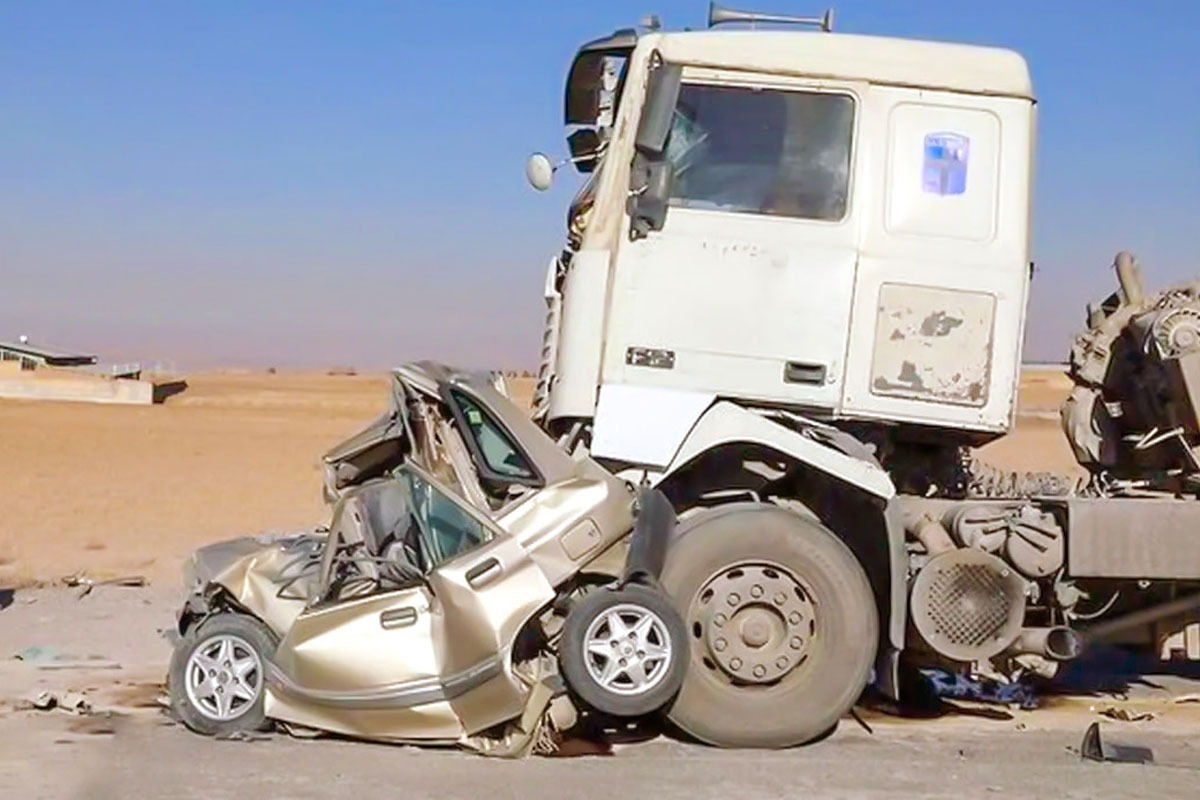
x=662, y=95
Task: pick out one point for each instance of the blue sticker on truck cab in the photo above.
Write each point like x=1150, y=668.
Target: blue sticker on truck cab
x=946, y=157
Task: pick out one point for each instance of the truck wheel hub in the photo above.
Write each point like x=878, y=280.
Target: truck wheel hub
x=756, y=626
x=756, y=622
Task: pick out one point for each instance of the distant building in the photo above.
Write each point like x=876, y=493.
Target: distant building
x=32, y=356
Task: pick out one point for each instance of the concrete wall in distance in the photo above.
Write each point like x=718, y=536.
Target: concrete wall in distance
x=17, y=384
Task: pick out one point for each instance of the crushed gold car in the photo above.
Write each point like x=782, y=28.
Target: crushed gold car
x=476, y=585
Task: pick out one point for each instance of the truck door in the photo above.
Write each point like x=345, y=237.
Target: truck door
x=942, y=283
x=747, y=289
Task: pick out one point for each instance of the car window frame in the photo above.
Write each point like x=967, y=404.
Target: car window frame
x=484, y=470
x=323, y=596
x=464, y=506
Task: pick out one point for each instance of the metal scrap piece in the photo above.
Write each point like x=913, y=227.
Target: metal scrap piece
x=81, y=579
x=1094, y=748
x=1123, y=714
x=68, y=702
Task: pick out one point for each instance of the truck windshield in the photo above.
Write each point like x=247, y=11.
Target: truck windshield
x=762, y=151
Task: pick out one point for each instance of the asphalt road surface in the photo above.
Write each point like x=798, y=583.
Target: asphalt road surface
x=128, y=748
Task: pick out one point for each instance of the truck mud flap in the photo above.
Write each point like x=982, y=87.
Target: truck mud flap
x=652, y=531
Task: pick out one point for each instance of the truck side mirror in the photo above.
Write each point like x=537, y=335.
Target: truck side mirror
x=662, y=94
x=651, y=175
x=539, y=171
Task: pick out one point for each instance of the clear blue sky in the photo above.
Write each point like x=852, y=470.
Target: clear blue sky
x=237, y=182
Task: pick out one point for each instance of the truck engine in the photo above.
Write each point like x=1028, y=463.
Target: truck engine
x=991, y=579
x=1133, y=418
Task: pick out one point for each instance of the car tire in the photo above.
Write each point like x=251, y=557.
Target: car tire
x=623, y=651
x=218, y=675
x=782, y=627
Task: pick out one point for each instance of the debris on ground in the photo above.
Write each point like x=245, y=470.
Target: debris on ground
x=95, y=724
x=68, y=702
x=1123, y=714
x=1187, y=698
x=243, y=736
x=50, y=657
x=81, y=579
x=862, y=722
x=1094, y=748
x=949, y=685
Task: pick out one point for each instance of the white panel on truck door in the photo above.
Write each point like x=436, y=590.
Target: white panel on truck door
x=943, y=165
x=943, y=268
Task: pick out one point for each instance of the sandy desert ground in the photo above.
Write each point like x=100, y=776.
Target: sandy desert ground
x=133, y=489
x=129, y=489
x=115, y=490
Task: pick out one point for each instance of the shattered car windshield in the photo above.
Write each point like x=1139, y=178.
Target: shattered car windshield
x=762, y=151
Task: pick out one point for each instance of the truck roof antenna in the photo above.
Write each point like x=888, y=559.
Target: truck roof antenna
x=718, y=15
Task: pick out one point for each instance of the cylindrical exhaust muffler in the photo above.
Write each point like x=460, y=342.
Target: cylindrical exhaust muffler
x=1058, y=643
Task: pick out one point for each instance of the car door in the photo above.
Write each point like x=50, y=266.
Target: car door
x=487, y=587
x=365, y=667
x=423, y=662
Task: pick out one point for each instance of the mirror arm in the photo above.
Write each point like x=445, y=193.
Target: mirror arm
x=592, y=156
x=649, y=195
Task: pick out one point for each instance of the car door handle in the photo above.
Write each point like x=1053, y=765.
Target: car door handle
x=397, y=617
x=483, y=573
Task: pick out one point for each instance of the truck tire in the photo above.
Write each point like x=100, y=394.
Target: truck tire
x=217, y=679
x=623, y=651
x=781, y=622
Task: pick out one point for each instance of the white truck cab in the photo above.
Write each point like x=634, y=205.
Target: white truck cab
x=792, y=297
x=830, y=223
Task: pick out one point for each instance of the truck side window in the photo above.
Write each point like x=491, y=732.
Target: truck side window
x=762, y=151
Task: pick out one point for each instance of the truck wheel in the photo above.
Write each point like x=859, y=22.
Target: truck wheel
x=782, y=627
x=217, y=680
x=624, y=651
